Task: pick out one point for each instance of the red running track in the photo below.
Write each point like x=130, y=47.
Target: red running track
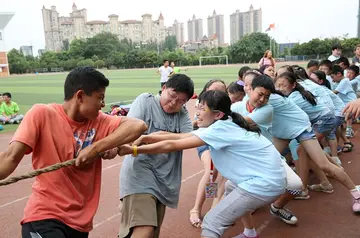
x=323, y=215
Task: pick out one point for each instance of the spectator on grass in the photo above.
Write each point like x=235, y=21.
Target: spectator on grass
x=9, y=110
x=336, y=52
x=267, y=59
x=344, y=63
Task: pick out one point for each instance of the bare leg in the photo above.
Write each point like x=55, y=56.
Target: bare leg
x=195, y=213
x=316, y=154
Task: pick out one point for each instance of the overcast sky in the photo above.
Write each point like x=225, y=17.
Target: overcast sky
x=295, y=21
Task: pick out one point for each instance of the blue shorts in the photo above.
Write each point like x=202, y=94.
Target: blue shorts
x=324, y=125
x=308, y=134
x=338, y=122
x=202, y=149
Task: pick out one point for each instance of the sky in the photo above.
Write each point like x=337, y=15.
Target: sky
x=294, y=21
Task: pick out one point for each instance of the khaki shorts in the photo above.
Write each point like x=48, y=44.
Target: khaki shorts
x=141, y=210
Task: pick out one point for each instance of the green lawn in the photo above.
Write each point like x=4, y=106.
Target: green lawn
x=125, y=85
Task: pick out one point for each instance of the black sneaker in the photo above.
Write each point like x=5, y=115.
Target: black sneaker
x=284, y=214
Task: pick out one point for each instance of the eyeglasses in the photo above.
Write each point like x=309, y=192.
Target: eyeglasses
x=174, y=97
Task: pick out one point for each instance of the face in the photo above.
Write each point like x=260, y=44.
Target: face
x=325, y=69
x=89, y=106
x=350, y=74
x=312, y=69
x=247, y=83
x=337, y=52
x=269, y=54
x=316, y=79
x=166, y=63
x=259, y=96
x=236, y=97
x=284, y=86
x=336, y=77
x=172, y=65
x=270, y=71
x=205, y=116
x=217, y=86
x=6, y=98
x=357, y=51
x=171, y=101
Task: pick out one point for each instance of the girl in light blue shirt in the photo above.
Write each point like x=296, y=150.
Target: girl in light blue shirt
x=238, y=151
x=311, y=146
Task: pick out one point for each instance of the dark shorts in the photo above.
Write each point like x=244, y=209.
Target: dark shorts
x=201, y=150
x=50, y=228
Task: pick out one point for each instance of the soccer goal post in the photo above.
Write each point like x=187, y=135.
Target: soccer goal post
x=214, y=56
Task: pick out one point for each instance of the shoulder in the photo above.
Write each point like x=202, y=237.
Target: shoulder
x=144, y=96
x=238, y=106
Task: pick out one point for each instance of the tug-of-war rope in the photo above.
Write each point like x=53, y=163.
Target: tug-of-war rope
x=37, y=172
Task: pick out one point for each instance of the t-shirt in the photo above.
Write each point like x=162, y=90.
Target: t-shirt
x=9, y=109
x=266, y=61
x=338, y=103
x=346, y=92
x=313, y=111
x=70, y=195
x=289, y=120
x=354, y=84
x=176, y=70
x=333, y=58
x=164, y=73
x=245, y=158
x=322, y=96
x=158, y=174
x=356, y=61
x=262, y=116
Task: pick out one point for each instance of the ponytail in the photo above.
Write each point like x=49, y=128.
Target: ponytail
x=305, y=94
x=292, y=79
x=240, y=121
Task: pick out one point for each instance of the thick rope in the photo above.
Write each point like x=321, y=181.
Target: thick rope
x=37, y=172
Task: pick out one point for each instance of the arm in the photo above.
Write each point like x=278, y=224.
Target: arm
x=164, y=146
x=10, y=159
x=157, y=137
x=122, y=135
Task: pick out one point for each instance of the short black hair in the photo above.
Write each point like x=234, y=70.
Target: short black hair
x=7, y=94
x=84, y=78
x=354, y=68
x=181, y=83
x=312, y=63
x=336, y=46
x=326, y=63
x=343, y=60
x=165, y=61
x=337, y=69
x=242, y=71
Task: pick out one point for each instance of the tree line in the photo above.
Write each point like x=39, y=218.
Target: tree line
x=106, y=50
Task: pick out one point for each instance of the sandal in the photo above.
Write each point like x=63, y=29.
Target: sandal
x=348, y=146
x=195, y=222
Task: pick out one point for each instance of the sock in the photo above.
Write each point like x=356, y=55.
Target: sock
x=250, y=232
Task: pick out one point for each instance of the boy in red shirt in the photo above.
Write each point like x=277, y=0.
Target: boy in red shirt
x=63, y=203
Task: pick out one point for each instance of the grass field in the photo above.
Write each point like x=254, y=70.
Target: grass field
x=125, y=85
